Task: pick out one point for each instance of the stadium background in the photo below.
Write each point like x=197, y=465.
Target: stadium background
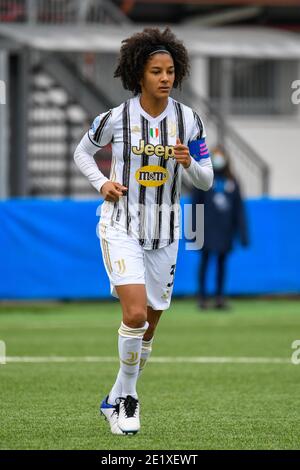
x=56, y=64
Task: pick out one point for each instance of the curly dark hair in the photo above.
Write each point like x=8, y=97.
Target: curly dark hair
x=135, y=52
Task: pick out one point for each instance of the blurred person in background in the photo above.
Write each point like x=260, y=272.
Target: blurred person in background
x=224, y=220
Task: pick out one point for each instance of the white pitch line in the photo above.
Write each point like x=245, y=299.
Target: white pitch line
x=161, y=360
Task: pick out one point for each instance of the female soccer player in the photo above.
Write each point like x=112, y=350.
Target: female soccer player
x=152, y=138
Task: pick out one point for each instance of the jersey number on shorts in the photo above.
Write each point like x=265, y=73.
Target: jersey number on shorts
x=172, y=272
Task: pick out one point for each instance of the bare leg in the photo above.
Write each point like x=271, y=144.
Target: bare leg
x=153, y=317
x=133, y=300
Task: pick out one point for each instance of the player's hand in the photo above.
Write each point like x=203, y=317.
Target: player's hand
x=112, y=191
x=182, y=154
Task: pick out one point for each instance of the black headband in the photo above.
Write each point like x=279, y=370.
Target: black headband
x=160, y=48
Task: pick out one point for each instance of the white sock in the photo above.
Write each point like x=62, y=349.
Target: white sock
x=145, y=354
x=130, y=345
x=116, y=391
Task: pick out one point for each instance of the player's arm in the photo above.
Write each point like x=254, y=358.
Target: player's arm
x=195, y=157
x=198, y=165
x=99, y=135
x=112, y=191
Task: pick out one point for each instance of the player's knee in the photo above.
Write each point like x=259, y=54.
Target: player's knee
x=135, y=317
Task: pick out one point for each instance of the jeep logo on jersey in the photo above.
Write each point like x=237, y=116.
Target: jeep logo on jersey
x=166, y=151
x=151, y=175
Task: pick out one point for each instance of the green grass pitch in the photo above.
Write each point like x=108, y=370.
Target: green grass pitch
x=184, y=405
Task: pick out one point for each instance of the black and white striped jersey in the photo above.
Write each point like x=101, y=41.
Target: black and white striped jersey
x=143, y=161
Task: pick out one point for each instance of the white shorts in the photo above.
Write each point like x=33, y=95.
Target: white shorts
x=126, y=262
